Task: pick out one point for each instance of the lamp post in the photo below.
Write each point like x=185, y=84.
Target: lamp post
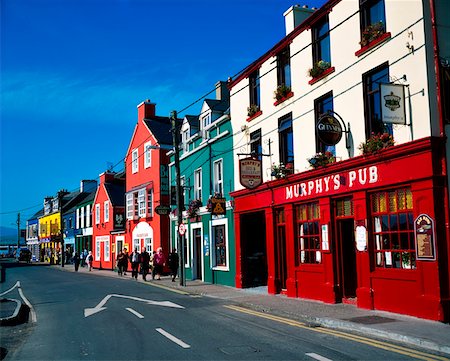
x=180, y=238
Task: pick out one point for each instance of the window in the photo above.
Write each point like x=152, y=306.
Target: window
x=134, y=161
x=372, y=100
x=150, y=202
x=218, y=177
x=148, y=245
x=137, y=244
x=206, y=120
x=286, y=139
x=321, y=41
x=256, y=144
x=372, y=12
x=142, y=207
x=393, y=229
x=97, y=213
x=219, y=244
x=321, y=106
x=130, y=206
x=284, y=68
x=148, y=155
x=97, y=250
x=198, y=184
x=106, y=250
x=88, y=216
x=255, y=96
x=307, y=246
x=106, y=211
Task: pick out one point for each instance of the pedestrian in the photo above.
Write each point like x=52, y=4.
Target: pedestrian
x=119, y=263
x=144, y=260
x=173, y=264
x=125, y=261
x=84, y=255
x=159, y=261
x=76, y=261
x=134, y=259
x=89, y=260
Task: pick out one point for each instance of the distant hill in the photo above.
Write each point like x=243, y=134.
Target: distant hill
x=8, y=235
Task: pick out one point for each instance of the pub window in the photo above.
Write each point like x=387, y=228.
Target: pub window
x=256, y=144
x=321, y=41
x=393, y=229
x=372, y=12
x=286, y=138
x=344, y=207
x=372, y=101
x=220, y=245
x=284, y=68
x=307, y=218
x=255, y=93
x=321, y=106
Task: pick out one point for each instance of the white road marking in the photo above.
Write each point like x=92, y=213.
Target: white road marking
x=32, y=312
x=317, y=357
x=136, y=313
x=17, y=284
x=173, y=338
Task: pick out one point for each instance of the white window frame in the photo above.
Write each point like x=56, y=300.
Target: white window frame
x=134, y=161
x=106, y=250
x=198, y=184
x=97, y=213
x=130, y=205
x=88, y=216
x=213, y=223
x=137, y=244
x=148, y=155
x=218, y=176
x=206, y=121
x=120, y=239
x=106, y=211
x=148, y=244
x=150, y=202
x=97, y=250
x=78, y=222
x=142, y=202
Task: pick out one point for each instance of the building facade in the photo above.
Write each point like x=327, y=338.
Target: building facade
x=350, y=129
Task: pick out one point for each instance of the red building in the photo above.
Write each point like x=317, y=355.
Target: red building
x=108, y=219
x=147, y=184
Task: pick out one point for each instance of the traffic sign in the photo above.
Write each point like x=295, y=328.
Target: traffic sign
x=182, y=229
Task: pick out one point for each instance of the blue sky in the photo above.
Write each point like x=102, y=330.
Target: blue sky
x=73, y=72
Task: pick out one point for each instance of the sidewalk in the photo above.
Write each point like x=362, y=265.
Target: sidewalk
x=413, y=331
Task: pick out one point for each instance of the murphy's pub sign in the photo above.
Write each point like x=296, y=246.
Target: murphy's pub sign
x=250, y=172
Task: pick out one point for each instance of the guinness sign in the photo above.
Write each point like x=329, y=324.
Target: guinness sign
x=329, y=129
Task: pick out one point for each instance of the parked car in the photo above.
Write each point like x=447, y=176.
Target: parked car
x=24, y=255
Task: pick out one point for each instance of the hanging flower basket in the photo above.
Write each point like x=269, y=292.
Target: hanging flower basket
x=376, y=143
x=194, y=206
x=322, y=159
x=371, y=33
x=318, y=68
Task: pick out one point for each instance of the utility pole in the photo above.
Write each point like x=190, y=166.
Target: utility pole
x=63, y=253
x=180, y=238
x=18, y=234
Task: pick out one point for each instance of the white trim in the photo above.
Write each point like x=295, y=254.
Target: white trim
x=194, y=226
x=106, y=211
x=134, y=161
x=97, y=213
x=147, y=155
x=213, y=223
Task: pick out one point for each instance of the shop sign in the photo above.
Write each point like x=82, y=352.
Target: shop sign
x=164, y=179
x=361, y=238
x=217, y=206
x=119, y=219
x=250, y=172
x=329, y=129
x=162, y=210
x=424, y=235
x=333, y=183
x=393, y=103
x=325, y=241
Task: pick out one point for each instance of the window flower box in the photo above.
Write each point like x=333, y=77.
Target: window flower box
x=253, y=111
x=318, y=68
x=282, y=93
x=371, y=36
x=194, y=207
x=322, y=75
x=281, y=170
x=376, y=143
x=322, y=159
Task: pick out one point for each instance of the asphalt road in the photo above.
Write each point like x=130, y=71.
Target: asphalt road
x=81, y=316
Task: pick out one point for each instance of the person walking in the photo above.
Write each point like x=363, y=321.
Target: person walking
x=119, y=263
x=159, y=261
x=125, y=261
x=76, y=261
x=89, y=260
x=144, y=260
x=173, y=264
x=134, y=258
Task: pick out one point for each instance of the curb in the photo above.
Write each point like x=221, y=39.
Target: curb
x=19, y=315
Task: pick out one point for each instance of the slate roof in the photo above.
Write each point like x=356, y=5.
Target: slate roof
x=217, y=105
x=116, y=193
x=194, y=123
x=38, y=214
x=160, y=128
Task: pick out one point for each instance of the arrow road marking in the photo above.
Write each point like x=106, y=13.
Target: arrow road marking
x=136, y=313
x=173, y=338
x=91, y=311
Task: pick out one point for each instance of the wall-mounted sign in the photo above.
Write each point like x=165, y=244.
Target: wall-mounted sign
x=162, y=210
x=424, y=235
x=325, y=241
x=164, y=176
x=393, y=103
x=119, y=219
x=250, y=172
x=217, y=205
x=329, y=129
x=361, y=238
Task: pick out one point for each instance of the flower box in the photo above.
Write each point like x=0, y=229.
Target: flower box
x=322, y=159
x=376, y=143
x=373, y=43
x=288, y=95
x=257, y=114
x=322, y=75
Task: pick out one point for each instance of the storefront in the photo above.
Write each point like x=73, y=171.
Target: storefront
x=370, y=231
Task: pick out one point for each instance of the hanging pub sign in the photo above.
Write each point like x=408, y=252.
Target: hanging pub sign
x=424, y=235
x=393, y=103
x=217, y=206
x=250, y=172
x=329, y=130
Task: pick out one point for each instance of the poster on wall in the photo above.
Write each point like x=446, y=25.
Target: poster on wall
x=425, y=238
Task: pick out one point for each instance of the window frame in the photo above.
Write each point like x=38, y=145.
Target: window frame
x=255, y=89
x=213, y=224
x=218, y=176
x=256, y=144
x=284, y=68
x=319, y=40
x=135, y=161
x=198, y=184
x=319, y=110
x=286, y=139
x=366, y=17
x=97, y=213
x=147, y=155
x=305, y=254
x=106, y=211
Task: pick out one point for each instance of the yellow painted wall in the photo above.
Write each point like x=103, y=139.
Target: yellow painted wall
x=49, y=225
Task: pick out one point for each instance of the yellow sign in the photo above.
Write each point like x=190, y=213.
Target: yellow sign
x=218, y=206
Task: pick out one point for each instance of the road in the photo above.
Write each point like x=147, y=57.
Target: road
x=82, y=316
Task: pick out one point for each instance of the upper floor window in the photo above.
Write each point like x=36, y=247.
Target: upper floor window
x=256, y=144
x=206, y=120
x=321, y=41
x=198, y=184
x=88, y=216
x=129, y=204
x=97, y=213
x=321, y=106
x=150, y=202
x=148, y=155
x=142, y=206
x=134, y=161
x=286, y=139
x=106, y=211
x=218, y=177
x=372, y=12
x=372, y=100
x=284, y=68
x=255, y=95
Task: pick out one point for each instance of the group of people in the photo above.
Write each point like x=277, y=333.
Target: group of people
x=85, y=258
x=144, y=262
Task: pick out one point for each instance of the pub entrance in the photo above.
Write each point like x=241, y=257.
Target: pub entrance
x=197, y=244
x=253, y=249
x=346, y=271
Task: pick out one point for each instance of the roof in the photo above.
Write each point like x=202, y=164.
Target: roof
x=194, y=123
x=217, y=105
x=116, y=193
x=38, y=214
x=73, y=203
x=160, y=127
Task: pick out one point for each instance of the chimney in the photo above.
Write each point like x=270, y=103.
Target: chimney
x=106, y=177
x=222, y=92
x=295, y=15
x=146, y=110
x=88, y=185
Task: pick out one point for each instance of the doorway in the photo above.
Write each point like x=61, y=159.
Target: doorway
x=253, y=249
x=197, y=243
x=347, y=272
x=280, y=251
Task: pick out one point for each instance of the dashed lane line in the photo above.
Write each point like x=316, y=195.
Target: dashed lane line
x=173, y=338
